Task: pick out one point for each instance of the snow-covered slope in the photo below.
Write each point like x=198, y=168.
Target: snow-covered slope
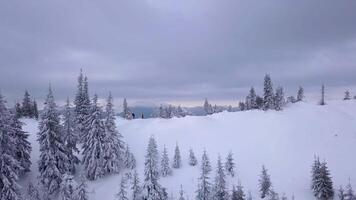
x=285, y=142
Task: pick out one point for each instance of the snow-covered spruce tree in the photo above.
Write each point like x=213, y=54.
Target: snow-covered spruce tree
x=81, y=189
x=70, y=137
x=181, y=193
x=230, y=165
x=192, y=159
x=279, y=100
x=122, y=194
x=94, y=145
x=9, y=189
x=127, y=114
x=238, y=193
x=341, y=193
x=220, y=191
x=251, y=100
x=349, y=192
x=165, y=165
x=300, y=94
x=22, y=145
x=322, y=100
x=264, y=183
x=268, y=94
x=204, y=186
x=207, y=107
x=32, y=192
x=315, y=173
x=68, y=186
x=129, y=158
x=35, y=110
x=18, y=110
x=135, y=187
x=113, y=143
x=322, y=184
x=177, y=160
x=27, y=105
x=152, y=190
x=54, y=159
x=347, y=95
x=242, y=106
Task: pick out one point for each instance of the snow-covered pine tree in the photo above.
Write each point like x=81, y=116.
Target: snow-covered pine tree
x=322, y=100
x=347, y=95
x=122, y=194
x=114, y=145
x=204, y=186
x=67, y=189
x=165, y=165
x=177, y=160
x=70, y=137
x=251, y=98
x=349, y=192
x=135, y=187
x=22, y=145
x=127, y=114
x=192, y=159
x=279, y=100
x=315, y=172
x=181, y=193
x=220, y=191
x=268, y=94
x=35, y=109
x=27, y=105
x=207, y=107
x=341, y=193
x=81, y=189
x=322, y=184
x=230, y=165
x=94, y=144
x=32, y=192
x=238, y=193
x=264, y=183
x=129, y=158
x=18, y=110
x=54, y=159
x=300, y=94
x=9, y=189
x=152, y=190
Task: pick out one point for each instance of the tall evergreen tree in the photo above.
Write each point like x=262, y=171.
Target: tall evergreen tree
x=127, y=114
x=135, y=187
x=70, y=137
x=349, y=193
x=18, y=110
x=238, y=193
x=268, y=94
x=204, y=186
x=230, y=165
x=321, y=182
x=54, y=159
x=177, y=160
x=114, y=145
x=27, y=105
x=347, y=95
x=279, y=99
x=9, y=188
x=207, y=107
x=81, y=190
x=192, y=159
x=152, y=190
x=220, y=191
x=68, y=186
x=122, y=194
x=35, y=110
x=129, y=158
x=265, y=183
x=300, y=94
x=341, y=193
x=165, y=166
x=94, y=145
x=322, y=100
x=32, y=192
x=251, y=100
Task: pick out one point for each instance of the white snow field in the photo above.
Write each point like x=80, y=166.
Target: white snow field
x=285, y=142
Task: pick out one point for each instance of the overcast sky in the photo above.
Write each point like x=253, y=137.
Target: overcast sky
x=176, y=51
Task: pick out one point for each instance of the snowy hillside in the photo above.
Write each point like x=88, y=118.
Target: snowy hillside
x=285, y=142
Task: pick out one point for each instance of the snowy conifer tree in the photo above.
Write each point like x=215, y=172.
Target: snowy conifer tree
x=208, y=108
x=279, y=99
x=181, y=193
x=165, y=166
x=114, y=146
x=35, y=110
x=300, y=94
x=265, y=183
x=322, y=100
x=127, y=114
x=321, y=182
x=272, y=195
x=18, y=110
x=341, y=193
x=230, y=165
x=204, y=186
x=349, y=192
x=177, y=160
x=27, y=105
x=129, y=159
x=68, y=186
x=135, y=187
x=81, y=190
x=122, y=194
x=54, y=159
x=152, y=190
x=9, y=189
x=220, y=191
x=251, y=100
x=94, y=145
x=347, y=95
x=70, y=137
x=192, y=159
x=238, y=193
x=268, y=95
x=32, y=192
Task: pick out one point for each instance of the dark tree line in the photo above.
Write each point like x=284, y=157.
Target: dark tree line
x=28, y=108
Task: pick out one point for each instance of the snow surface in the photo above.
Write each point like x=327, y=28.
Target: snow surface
x=285, y=142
